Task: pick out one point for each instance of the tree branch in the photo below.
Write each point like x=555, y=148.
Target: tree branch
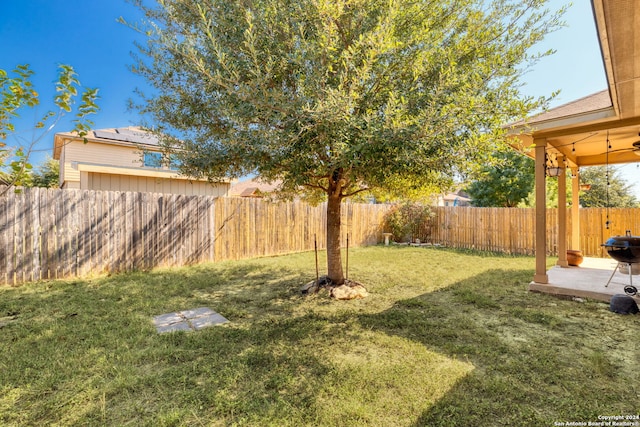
x=317, y=186
x=356, y=192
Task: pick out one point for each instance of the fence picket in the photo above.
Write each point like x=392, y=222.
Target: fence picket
x=4, y=236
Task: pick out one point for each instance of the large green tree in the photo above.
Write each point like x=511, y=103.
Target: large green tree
x=338, y=97
x=608, y=189
x=505, y=183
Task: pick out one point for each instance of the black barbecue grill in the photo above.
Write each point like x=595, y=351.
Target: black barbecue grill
x=626, y=250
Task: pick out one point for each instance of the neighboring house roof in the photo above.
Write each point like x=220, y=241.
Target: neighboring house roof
x=458, y=198
x=457, y=195
x=125, y=159
x=132, y=136
x=252, y=188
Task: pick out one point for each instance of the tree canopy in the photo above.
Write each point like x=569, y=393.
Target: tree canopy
x=338, y=96
x=608, y=189
x=506, y=183
x=47, y=174
x=17, y=93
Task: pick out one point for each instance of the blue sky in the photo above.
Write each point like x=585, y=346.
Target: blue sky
x=81, y=33
x=86, y=35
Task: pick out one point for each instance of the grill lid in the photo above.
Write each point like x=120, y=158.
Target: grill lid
x=626, y=241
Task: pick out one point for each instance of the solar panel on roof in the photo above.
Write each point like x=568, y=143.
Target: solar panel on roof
x=127, y=131
x=105, y=134
x=139, y=136
x=129, y=136
x=142, y=138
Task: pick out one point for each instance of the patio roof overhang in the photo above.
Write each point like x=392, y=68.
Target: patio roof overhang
x=586, y=138
x=595, y=130
x=579, y=130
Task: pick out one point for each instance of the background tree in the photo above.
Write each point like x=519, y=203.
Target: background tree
x=5, y=178
x=338, y=97
x=551, y=195
x=506, y=183
x=619, y=192
x=46, y=174
x=16, y=94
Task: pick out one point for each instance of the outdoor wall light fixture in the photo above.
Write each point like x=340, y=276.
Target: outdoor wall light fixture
x=553, y=169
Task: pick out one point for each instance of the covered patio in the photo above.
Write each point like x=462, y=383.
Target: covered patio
x=595, y=278
x=600, y=129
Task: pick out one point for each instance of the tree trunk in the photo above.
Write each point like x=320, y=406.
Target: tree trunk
x=334, y=260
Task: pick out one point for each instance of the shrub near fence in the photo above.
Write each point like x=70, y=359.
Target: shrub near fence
x=52, y=233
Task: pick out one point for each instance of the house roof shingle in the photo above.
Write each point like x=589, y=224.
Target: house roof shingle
x=594, y=102
x=598, y=101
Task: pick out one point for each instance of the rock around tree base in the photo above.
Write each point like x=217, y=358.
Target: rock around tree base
x=350, y=289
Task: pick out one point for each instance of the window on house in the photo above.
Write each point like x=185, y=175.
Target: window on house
x=152, y=160
x=174, y=162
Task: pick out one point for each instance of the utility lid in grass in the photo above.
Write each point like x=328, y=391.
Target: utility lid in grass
x=188, y=320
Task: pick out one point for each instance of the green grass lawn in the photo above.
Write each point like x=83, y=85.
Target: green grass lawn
x=446, y=338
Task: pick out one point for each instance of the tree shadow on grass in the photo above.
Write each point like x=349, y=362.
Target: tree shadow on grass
x=86, y=352
x=537, y=359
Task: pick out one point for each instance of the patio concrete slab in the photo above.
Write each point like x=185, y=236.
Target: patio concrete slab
x=589, y=280
x=188, y=320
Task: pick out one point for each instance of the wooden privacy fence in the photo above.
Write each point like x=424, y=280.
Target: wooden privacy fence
x=52, y=233
x=512, y=230
x=593, y=230
x=48, y=234
x=249, y=228
x=508, y=230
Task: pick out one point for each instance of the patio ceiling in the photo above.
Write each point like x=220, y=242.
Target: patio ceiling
x=600, y=128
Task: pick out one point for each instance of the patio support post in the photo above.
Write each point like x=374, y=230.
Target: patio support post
x=575, y=209
x=541, y=213
x=562, y=215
